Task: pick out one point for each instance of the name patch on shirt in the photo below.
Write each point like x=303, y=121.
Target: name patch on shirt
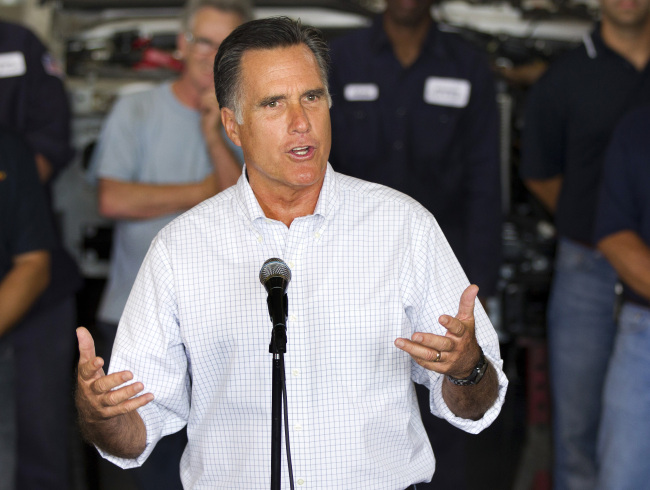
x=358, y=92
x=12, y=64
x=449, y=92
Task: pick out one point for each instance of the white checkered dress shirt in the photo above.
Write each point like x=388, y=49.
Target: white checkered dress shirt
x=369, y=265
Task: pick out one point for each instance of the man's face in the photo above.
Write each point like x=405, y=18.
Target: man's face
x=408, y=12
x=626, y=13
x=208, y=29
x=285, y=132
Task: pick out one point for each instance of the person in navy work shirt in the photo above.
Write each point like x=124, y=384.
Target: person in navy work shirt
x=32, y=98
x=33, y=103
x=570, y=116
x=414, y=108
x=26, y=238
x=623, y=236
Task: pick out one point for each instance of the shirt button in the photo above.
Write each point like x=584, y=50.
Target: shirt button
x=295, y=373
x=290, y=264
x=300, y=481
x=398, y=145
x=297, y=427
x=292, y=318
x=317, y=234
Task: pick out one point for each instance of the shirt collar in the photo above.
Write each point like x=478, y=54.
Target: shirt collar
x=325, y=207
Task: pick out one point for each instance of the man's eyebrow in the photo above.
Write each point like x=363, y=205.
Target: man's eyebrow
x=271, y=98
x=317, y=92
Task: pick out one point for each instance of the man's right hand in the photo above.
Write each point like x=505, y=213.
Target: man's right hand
x=108, y=414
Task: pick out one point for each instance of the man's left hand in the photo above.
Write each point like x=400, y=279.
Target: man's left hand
x=457, y=352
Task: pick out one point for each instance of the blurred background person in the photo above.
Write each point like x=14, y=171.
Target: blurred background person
x=161, y=152
x=33, y=104
x=570, y=115
x=623, y=236
x=414, y=108
x=26, y=237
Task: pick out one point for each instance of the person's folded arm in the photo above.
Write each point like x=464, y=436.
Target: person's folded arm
x=22, y=285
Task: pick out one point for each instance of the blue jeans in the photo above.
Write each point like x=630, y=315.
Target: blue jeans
x=581, y=330
x=7, y=417
x=624, y=436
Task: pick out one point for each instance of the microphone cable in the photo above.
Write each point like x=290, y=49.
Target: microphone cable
x=285, y=410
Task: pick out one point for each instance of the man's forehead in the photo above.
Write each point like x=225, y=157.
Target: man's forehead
x=295, y=51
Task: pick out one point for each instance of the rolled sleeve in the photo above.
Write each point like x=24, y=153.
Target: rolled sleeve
x=149, y=344
x=439, y=284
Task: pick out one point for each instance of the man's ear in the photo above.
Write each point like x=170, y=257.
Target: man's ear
x=230, y=125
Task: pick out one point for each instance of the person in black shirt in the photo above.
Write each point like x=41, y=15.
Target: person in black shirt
x=414, y=108
x=570, y=116
x=26, y=238
x=622, y=233
x=33, y=103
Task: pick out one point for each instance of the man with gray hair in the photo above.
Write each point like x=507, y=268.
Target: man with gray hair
x=160, y=153
x=373, y=298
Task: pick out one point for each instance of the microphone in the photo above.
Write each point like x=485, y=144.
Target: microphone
x=275, y=277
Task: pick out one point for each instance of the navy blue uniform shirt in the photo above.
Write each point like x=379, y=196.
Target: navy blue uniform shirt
x=570, y=116
x=625, y=192
x=429, y=130
x=24, y=216
x=33, y=101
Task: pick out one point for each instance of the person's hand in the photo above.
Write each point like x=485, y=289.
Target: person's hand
x=457, y=352
x=210, y=116
x=97, y=399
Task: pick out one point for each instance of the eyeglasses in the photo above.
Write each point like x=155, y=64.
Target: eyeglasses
x=201, y=44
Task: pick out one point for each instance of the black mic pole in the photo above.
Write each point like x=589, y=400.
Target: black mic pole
x=275, y=277
x=277, y=347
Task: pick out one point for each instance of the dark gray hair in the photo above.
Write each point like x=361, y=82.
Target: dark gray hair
x=269, y=33
x=242, y=7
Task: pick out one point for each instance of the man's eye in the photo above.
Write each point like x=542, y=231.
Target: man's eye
x=273, y=103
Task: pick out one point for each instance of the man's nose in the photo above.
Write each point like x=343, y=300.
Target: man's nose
x=299, y=121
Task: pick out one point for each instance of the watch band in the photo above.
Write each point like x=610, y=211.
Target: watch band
x=476, y=374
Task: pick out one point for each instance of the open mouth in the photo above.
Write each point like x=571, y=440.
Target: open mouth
x=301, y=151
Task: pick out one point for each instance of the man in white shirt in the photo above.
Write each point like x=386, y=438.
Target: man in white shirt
x=373, y=281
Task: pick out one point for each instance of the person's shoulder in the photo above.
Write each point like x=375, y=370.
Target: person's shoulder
x=137, y=100
x=453, y=41
x=567, y=67
x=15, y=32
x=200, y=217
x=351, y=44
x=360, y=192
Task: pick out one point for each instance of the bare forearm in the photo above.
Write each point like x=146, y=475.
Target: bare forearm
x=226, y=167
x=546, y=190
x=471, y=402
x=124, y=436
x=132, y=200
x=22, y=286
x=630, y=256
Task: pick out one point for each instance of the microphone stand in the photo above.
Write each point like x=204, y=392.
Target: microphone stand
x=277, y=347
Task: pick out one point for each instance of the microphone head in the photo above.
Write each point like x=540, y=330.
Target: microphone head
x=274, y=270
